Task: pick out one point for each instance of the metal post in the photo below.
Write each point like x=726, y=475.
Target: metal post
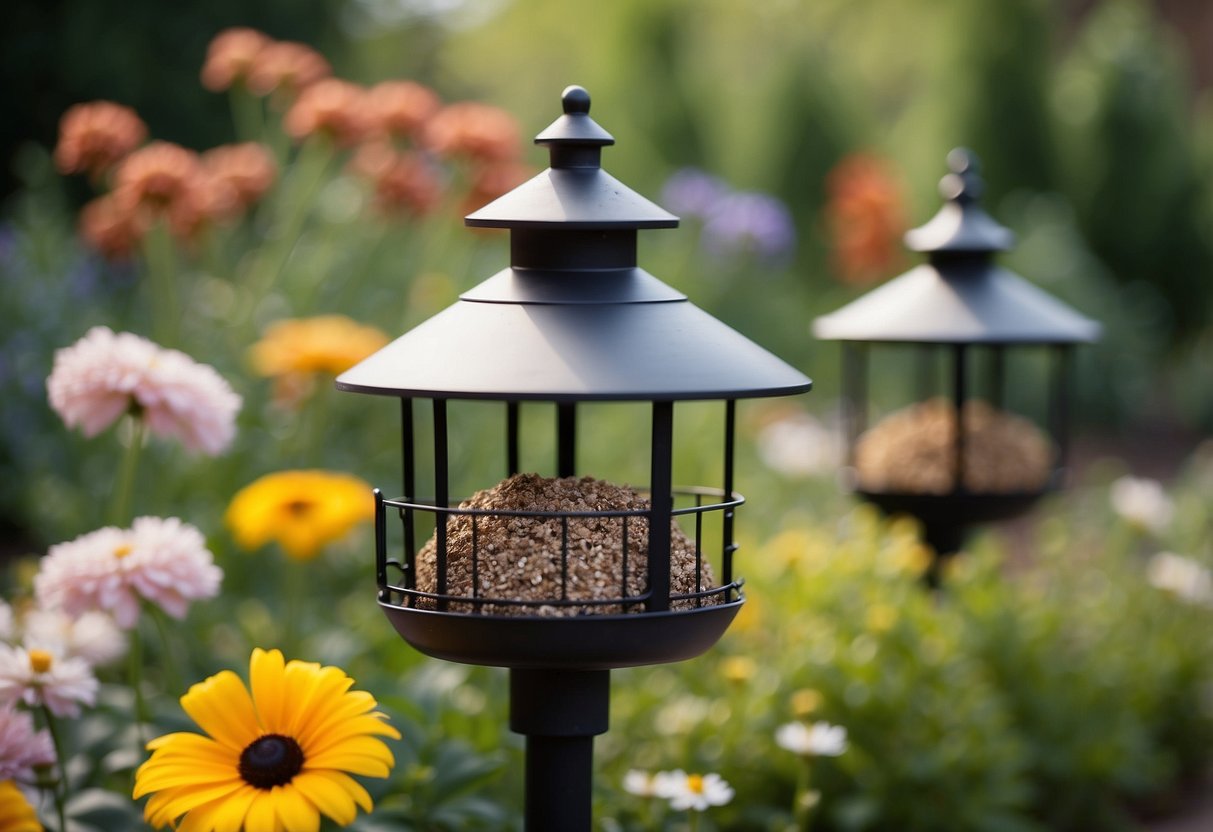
x=854, y=394
x=661, y=506
x=730, y=429
x=511, y=438
x=408, y=454
x=1059, y=406
x=441, y=496
x=560, y=712
x=959, y=395
x=566, y=439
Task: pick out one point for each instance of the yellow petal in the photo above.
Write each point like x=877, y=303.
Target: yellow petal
x=269, y=691
x=223, y=708
x=262, y=816
x=333, y=793
x=295, y=811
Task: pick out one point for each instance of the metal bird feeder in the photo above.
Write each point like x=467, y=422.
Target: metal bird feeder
x=964, y=319
x=572, y=320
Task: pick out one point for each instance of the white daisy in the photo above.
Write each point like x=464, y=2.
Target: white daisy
x=1183, y=577
x=693, y=792
x=1142, y=503
x=818, y=740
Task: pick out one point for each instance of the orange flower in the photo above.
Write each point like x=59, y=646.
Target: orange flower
x=331, y=107
x=404, y=182
x=476, y=131
x=865, y=217
x=156, y=176
x=286, y=67
x=94, y=136
x=247, y=168
x=491, y=181
x=323, y=344
x=230, y=57
x=401, y=108
x=111, y=228
x=165, y=180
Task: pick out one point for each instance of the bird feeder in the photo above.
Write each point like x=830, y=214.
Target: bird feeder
x=964, y=321
x=562, y=578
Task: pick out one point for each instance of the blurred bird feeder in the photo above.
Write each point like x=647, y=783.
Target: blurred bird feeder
x=562, y=578
x=962, y=317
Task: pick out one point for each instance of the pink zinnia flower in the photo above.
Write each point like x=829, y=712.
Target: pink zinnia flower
x=106, y=374
x=92, y=636
x=164, y=561
x=40, y=677
x=21, y=747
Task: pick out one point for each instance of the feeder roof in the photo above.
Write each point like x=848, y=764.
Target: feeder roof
x=575, y=192
x=573, y=318
x=960, y=295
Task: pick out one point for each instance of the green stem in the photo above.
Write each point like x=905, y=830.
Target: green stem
x=135, y=679
x=295, y=585
x=162, y=277
x=124, y=487
x=802, y=810
x=247, y=115
x=60, y=792
x=693, y=820
x=290, y=212
x=168, y=662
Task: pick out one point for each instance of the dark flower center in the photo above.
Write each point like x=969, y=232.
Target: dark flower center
x=298, y=508
x=271, y=761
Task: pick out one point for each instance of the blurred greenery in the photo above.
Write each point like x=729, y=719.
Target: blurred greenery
x=1050, y=685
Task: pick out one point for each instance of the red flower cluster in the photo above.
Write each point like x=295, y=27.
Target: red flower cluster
x=865, y=218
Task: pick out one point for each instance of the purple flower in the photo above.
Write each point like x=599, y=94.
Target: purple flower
x=748, y=222
x=691, y=192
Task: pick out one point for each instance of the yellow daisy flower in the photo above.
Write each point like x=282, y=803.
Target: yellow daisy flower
x=301, y=510
x=323, y=344
x=16, y=815
x=275, y=760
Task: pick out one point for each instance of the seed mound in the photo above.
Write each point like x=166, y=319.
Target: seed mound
x=519, y=558
x=913, y=451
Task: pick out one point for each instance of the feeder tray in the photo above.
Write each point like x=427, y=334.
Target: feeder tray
x=962, y=303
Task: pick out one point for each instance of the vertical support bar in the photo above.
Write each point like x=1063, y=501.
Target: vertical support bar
x=511, y=438
x=998, y=376
x=623, y=589
x=726, y=524
x=475, y=561
x=925, y=376
x=959, y=394
x=407, y=519
x=442, y=498
x=564, y=557
x=381, y=546
x=698, y=550
x=1059, y=405
x=566, y=439
x=661, y=506
x=854, y=394
x=559, y=712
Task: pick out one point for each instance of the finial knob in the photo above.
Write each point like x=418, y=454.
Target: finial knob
x=963, y=184
x=576, y=100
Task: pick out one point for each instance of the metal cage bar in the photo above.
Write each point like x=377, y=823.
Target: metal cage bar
x=661, y=506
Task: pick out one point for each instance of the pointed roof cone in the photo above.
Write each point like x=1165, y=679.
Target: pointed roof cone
x=960, y=295
x=573, y=318
x=575, y=192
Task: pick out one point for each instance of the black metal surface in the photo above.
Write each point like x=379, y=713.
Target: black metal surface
x=573, y=317
x=947, y=518
x=960, y=296
x=585, y=642
x=559, y=712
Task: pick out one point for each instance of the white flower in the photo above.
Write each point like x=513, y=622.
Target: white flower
x=1184, y=577
x=106, y=374
x=798, y=445
x=39, y=677
x=640, y=783
x=1142, y=503
x=21, y=747
x=164, y=561
x=694, y=792
x=92, y=636
x=819, y=740
x=7, y=630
